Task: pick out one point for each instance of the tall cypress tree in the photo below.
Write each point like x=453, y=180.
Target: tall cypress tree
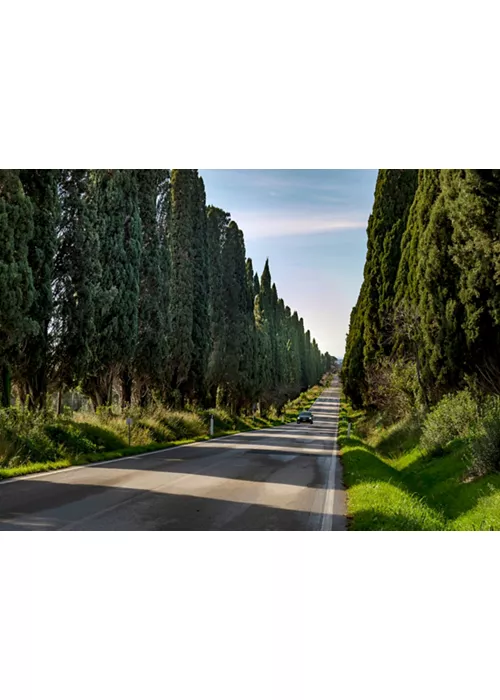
x=371, y=332
x=472, y=200
x=248, y=370
x=353, y=370
x=180, y=238
x=41, y=186
x=118, y=221
x=235, y=301
x=77, y=274
x=217, y=224
x=264, y=353
x=152, y=340
x=16, y=279
x=394, y=195
x=267, y=336
x=197, y=382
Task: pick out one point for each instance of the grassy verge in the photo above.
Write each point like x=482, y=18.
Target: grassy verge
x=392, y=485
x=66, y=441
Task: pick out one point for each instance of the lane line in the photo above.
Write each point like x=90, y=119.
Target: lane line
x=330, y=500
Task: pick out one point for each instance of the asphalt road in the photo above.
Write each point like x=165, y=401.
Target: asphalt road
x=284, y=478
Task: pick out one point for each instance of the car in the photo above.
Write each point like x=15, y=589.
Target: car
x=305, y=417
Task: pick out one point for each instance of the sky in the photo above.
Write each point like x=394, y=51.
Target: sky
x=311, y=224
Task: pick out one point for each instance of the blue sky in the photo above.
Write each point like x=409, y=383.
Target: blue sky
x=311, y=224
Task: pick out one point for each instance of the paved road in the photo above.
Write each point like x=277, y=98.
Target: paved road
x=285, y=478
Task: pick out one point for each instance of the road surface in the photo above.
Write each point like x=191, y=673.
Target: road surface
x=284, y=478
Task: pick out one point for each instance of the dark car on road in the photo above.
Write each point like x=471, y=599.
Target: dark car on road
x=305, y=417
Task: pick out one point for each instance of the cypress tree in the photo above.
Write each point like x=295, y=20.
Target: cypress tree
x=235, y=302
x=151, y=354
x=472, y=200
x=77, y=274
x=264, y=353
x=41, y=186
x=394, y=195
x=353, y=370
x=371, y=332
x=197, y=382
x=118, y=222
x=248, y=364
x=180, y=238
x=303, y=356
x=217, y=224
x=16, y=279
x=256, y=285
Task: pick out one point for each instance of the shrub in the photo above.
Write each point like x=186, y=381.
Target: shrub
x=69, y=439
x=484, y=450
x=455, y=416
x=23, y=436
x=103, y=438
x=182, y=424
x=392, y=388
x=158, y=433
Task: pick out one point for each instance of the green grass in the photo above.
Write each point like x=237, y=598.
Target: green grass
x=392, y=485
x=32, y=443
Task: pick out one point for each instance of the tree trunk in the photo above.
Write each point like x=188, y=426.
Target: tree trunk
x=127, y=383
x=144, y=395
x=419, y=378
x=213, y=397
x=59, y=401
x=23, y=397
x=6, y=386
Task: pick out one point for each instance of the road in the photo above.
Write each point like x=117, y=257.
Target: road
x=284, y=478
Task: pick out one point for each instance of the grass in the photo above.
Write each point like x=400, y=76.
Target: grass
x=33, y=443
x=393, y=485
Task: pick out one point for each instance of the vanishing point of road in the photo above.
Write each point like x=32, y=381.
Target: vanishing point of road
x=284, y=478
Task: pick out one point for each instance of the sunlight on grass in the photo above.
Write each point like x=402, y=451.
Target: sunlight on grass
x=32, y=442
x=392, y=485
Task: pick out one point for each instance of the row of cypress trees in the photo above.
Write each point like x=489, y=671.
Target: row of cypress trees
x=126, y=278
x=431, y=289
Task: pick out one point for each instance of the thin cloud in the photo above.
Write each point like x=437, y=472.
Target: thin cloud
x=267, y=225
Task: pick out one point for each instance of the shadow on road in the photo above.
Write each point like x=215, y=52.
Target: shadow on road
x=263, y=480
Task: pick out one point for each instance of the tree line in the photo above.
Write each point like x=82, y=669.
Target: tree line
x=125, y=281
x=429, y=304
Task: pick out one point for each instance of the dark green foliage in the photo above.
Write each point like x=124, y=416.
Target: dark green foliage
x=115, y=198
x=179, y=239
x=437, y=293
x=217, y=223
x=77, y=276
x=394, y=195
x=236, y=311
x=17, y=292
x=197, y=377
x=149, y=366
x=248, y=361
x=32, y=365
x=472, y=200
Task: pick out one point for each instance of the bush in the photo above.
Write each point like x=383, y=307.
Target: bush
x=23, y=436
x=103, y=438
x=392, y=388
x=484, y=450
x=455, y=416
x=182, y=424
x=158, y=433
x=69, y=439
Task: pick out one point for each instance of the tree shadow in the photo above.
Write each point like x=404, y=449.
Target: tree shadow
x=437, y=482
x=44, y=505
